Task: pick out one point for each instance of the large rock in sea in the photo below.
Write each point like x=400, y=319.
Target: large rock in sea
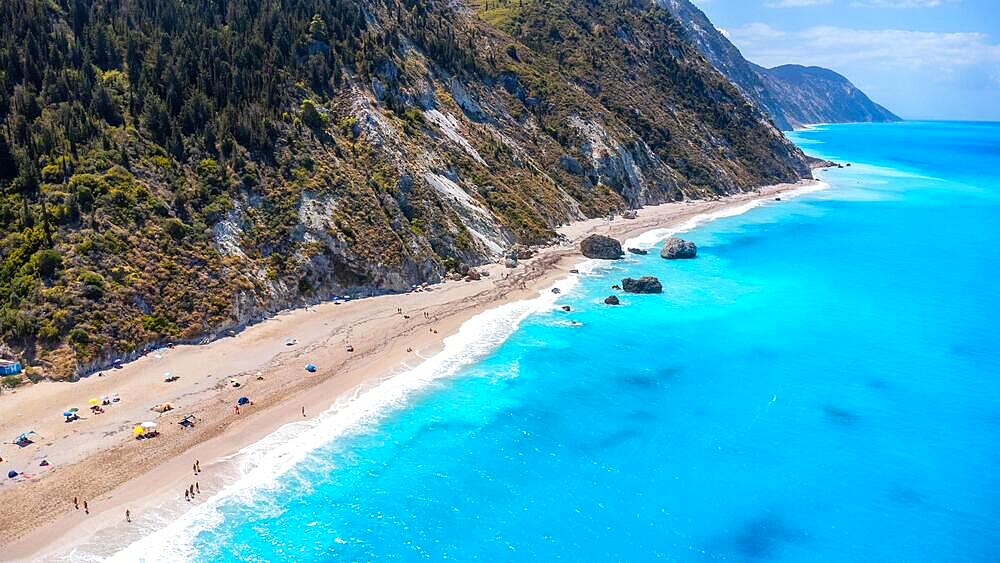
x=639, y=251
x=678, y=248
x=611, y=300
x=645, y=284
x=601, y=247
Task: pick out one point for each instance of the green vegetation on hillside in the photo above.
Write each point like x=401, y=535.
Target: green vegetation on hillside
x=170, y=169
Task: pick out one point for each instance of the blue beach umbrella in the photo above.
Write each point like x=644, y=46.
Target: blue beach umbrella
x=310, y=368
x=11, y=474
x=67, y=413
x=242, y=401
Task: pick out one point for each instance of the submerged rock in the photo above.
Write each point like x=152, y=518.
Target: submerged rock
x=611, y=300
x=601, y=247
x=678, y=248
x=640, y=251
x=566, y=308
x=645, y=284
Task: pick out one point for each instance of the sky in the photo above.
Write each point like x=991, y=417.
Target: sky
x=922, y=59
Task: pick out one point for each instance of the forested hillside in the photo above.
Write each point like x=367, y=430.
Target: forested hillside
x=172, y=169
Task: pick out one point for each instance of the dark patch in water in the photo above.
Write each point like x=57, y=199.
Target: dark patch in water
x=616, y=438
x=906, y=495
x=877, y=383
x=648, y=380
x=642, y=416
x=761, y=537
x=642, y=381
x=840, y=415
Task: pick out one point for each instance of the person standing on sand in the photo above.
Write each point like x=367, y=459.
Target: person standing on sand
x=186, y=496
x=128, y=516
x=303, y=411
x=197, y=488
x=86, y=508
x=76, y=504
x=194, y=467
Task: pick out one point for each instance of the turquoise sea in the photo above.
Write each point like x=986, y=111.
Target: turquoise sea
x=821, y=384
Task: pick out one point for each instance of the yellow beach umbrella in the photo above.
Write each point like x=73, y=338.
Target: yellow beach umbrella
x=137, y=430
x=93, y=401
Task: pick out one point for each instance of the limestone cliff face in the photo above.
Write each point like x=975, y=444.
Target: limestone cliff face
x=357, y=147
x=792, y=95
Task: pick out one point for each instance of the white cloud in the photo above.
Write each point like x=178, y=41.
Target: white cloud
x=913, y=73
x=899, y=3
x=795, y=3
x=889, y=49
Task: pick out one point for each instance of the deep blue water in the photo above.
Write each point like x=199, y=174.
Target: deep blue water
x=820, y=384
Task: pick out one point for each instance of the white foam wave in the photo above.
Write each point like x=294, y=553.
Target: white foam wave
x=260, y=466
x=651, y=238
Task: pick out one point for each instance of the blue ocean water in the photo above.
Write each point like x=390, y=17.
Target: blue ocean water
x=820, y=384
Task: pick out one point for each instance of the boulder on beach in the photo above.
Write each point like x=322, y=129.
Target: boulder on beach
x=611, y=300
x=510, y=262
x=601, y=247
x=640, y=251
x=645, y=284
x=520, y=252
x=678, y=248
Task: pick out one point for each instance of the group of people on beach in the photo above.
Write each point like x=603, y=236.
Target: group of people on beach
x=76, y=505
x=195, y=488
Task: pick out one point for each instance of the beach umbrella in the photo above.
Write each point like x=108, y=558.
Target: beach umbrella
x=147, y=425
x=310, y=368
x=67, y=414
x=137, y=430
x=11, y=474
x=72, y=409
x=242, y=401
x=93, y=401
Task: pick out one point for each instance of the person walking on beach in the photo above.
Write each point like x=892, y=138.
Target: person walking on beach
x=194, y=467
x=128, y=516
x=197, y=465
x=303, y=412
x=197, y=488
x=76, y=504
x=86, y=508
x=187, y=497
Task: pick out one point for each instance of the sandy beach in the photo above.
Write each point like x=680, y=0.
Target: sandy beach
x=97, y=460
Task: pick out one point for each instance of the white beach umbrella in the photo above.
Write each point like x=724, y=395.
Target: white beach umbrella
x=148, y=424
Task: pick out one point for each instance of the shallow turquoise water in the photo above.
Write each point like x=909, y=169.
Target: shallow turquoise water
x=820, y=384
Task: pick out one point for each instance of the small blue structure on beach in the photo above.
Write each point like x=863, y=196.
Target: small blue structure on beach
x=9, y=367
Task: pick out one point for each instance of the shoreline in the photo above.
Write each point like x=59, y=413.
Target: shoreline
x=148, y=476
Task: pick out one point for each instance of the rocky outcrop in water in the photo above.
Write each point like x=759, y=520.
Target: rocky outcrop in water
x=678, y=248
x=639, y=251
x=611, y=300
x=601, y=247
x=645, y=284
